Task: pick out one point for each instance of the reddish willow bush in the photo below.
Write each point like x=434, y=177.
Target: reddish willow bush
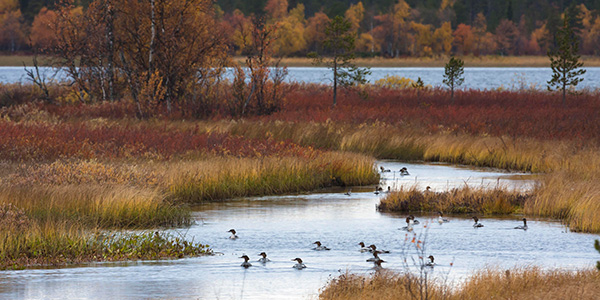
x=44, y=141
x=533, y=114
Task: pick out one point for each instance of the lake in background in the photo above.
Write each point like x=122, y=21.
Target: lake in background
x=475, y=78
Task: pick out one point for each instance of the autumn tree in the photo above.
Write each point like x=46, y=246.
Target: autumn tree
x=340, y=44
x=290, y=34
x=463, y=39
x=453, y=75
x=506, y=33
x=42, y=36
x=12, y=25
x=564, y=61
x=442, y=39
x=315, y=31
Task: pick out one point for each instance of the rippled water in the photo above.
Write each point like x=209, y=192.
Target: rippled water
x=285, y=227
x=475, y=78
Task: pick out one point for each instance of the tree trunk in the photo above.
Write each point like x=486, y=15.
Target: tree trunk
x=110, y=37
x=335, y=77
x=152, y=39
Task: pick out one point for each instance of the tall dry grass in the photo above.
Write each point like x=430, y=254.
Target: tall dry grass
x=95, y=206
x=526, y=283
x=222, y=178
x=457, y=201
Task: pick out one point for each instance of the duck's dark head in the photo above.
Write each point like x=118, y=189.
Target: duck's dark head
x=245, y=257
x=299, y=260
x=373, y=247
x=317, y=243
x=361, y=244
x=440, y=213
x=232, y=231
x=476, y=219
x=430, y=257
x=264, y=255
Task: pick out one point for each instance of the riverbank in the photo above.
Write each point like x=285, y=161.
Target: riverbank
x=526, y=283
x=487, y=61
x=439, y=62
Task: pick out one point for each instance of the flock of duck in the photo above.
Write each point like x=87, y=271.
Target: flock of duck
x=376, y=260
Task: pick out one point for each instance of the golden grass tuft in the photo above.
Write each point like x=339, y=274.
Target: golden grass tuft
x=222, y=178
x=457, y=201
x=524, y=283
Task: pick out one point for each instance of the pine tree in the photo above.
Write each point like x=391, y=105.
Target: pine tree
x=453, y=74
x=564, y=60
x=340, y=42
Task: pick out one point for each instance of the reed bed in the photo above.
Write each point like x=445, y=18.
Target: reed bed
x=225, y=178
x=457, y=201
x=95, y=206
x=524, y=283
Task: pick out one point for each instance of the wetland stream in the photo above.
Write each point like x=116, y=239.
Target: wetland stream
x=285, y=227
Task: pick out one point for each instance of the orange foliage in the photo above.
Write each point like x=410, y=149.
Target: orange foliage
x=42, y=34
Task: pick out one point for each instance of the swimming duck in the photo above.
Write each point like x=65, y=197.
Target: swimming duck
x=409, y=225
x=264, y=258
x=233, y=235
x=363, y=248
x=375, y=257
x=348, y=193
x=374, y=248
x=384, y=169
x=404, y=171
x=378, y=266
x=477, y=224
x=524, y=227
x=299, y=265
x=413, y=220
x=246, y=264
x=319, y=246
x=441, y=219
x=430, y=263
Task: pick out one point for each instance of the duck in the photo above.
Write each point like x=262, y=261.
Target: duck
x=374, y=248
x=389, y=189
x=363, y=248
x=233, y=235
x=377, y=264
x=348, y=193
x=320, y=247
x=404, y=171
x=477, y=224
x=383, y=170
x=430, y=263
x=378, y=188
x=409, y=225
x=299, y=265
x=375, y=257
x=524, y=227
x=427, y=190
x=264, y=258
x=416, y=222
x=246, y=264
x=441, y=218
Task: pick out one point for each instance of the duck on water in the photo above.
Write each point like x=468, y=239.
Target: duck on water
x=477, y=224
x=524, y=227
x=299, y=264
x=233, y=234
x=320, y=247
x=246, y=264
x=264, y=258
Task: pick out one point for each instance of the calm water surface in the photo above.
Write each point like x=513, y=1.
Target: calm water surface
x=475, y=78
x=285, y=227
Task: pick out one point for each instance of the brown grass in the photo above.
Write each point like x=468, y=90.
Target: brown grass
x=463, y=200
x=527, y=283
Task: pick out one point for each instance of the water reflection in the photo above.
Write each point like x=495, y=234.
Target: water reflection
x=286, y=227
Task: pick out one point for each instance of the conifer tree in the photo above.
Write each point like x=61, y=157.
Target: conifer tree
x=340, y=42
x=453, y=74
x=564, y=60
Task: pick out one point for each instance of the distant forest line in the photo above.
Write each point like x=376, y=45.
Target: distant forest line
x=389, y=28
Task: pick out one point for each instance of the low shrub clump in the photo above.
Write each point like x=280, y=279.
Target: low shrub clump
x=458, y=201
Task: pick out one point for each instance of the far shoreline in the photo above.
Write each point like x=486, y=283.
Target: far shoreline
x=489, y=61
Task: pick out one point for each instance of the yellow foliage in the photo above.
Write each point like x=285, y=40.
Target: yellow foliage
x=355, y=15
x=395, y=82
